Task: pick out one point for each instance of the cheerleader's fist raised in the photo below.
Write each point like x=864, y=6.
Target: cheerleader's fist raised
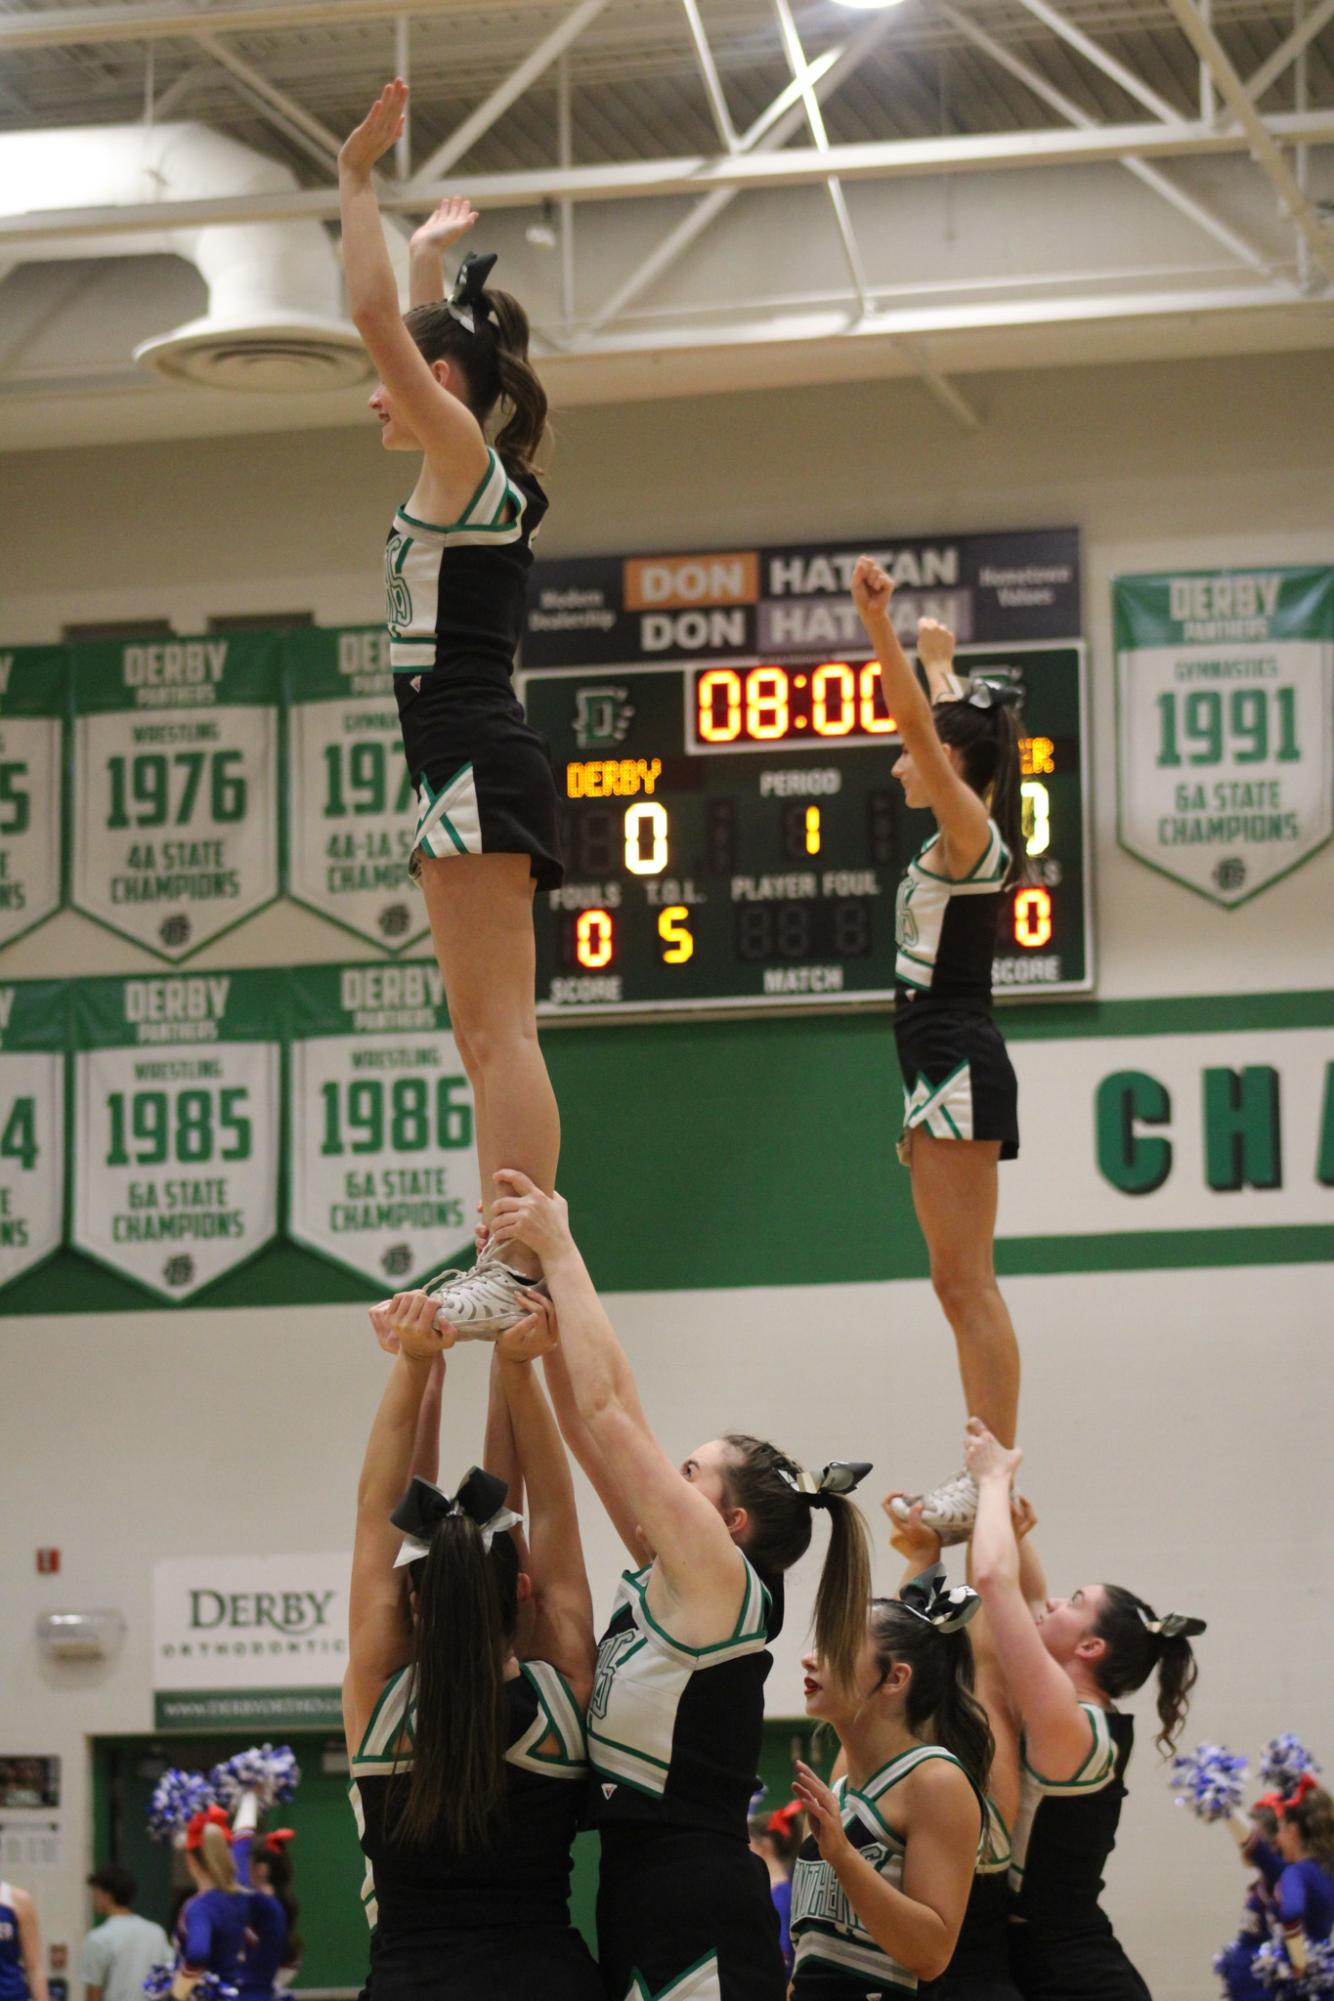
x=872, y=587
x=935, y=643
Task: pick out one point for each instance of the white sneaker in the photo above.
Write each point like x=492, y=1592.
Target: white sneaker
x=949, y=1510
x=482, y=1303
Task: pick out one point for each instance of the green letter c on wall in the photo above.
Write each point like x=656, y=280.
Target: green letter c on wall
x=1134, y=1164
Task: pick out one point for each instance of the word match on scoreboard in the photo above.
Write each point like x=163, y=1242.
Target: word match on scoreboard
x=734, y=836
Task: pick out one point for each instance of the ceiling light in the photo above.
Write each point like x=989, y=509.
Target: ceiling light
x=870, y=6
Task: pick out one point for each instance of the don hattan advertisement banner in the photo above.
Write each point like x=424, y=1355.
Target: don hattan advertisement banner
x=591, y=611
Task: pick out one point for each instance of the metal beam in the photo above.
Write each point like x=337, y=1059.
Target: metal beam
x=1102, y=59
x=631, y=180
x=505, y=94
x=713, y=85
x=1259, y=136
x=93, y=26
x=289, y=116
x=1272, y=68
x=1152, y=177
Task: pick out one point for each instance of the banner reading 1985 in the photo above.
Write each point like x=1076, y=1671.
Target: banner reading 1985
x=176, y=787
x=1225, y=756
x=33, y=1032
x=350, y=816
x=384, y=1175
x=34, y=689
x=176, y=1126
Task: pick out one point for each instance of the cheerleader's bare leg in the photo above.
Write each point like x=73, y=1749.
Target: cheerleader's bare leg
x=954, y=1187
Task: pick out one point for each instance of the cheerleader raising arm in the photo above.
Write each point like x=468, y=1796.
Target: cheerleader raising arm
x=454, y=217
x=960, y=813
x=30, y=1942
x=588, y=1455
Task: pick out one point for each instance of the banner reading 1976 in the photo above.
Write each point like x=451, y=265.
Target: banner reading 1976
x=1225, y=756
x=384, y=1175
x=350, y=816
x=34, y=688
x=33, y=1032
x=176, y=787
x=176, y=1126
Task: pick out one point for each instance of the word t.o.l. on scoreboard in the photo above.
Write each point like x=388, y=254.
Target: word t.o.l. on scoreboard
x=733, y=833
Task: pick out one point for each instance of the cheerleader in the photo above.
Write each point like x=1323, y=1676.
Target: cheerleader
x=211, y=1929
x=776, y=1838
x=456, y=567
x=676, y=1717
x=980, y=1967
x=22, y=1974
x=464, y=1696
x=1304, y=1894
x=882, y=1881
x=960, y=757
x=273, y=1948
x=1065, y=1663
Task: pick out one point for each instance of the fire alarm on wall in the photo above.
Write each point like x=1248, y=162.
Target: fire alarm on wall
x=48, y=1562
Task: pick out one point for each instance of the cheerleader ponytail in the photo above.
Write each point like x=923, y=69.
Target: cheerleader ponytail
x=983, y=726
x=1136, y=1642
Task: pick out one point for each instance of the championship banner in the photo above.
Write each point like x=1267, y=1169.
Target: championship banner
x=33, y=1030
x=384, y=1176
x=176, y=1125
x=34, y=692
x=1225, y=755
x=176, y=787
x=250, y=1642
x=589, y=611
x=350, y=812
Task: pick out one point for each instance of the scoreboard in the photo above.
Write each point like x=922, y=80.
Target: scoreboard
x=734, y=835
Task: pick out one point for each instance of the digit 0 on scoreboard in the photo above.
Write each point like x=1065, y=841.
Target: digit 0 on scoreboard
x=734, y=836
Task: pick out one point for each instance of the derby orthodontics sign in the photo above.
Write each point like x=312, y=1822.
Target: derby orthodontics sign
x=249, y=1641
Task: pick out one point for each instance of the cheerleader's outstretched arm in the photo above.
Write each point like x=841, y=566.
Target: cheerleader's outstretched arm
x=588, y=1456
x=453, y=218
x=30, y=1944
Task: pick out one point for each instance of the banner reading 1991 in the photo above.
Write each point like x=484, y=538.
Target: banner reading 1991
x=34, y=687
x=1225, y=756
x=33, y=1032
x=350, y=799
x=176, y=787
x=384, y=1175
x=176, y=1126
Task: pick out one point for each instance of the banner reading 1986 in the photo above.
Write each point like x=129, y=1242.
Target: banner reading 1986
x=1225, y=756
x=176, y=1127
x=384, y=1175
x=176, y=787
x=34, y=687
x=33, y=1033
x=350, y=799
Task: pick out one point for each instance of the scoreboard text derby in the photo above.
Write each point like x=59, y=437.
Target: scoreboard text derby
x=733, y=833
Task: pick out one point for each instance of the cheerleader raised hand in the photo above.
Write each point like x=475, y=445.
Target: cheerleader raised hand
x=825, y=1816
x=378, y=131
x=872, y=588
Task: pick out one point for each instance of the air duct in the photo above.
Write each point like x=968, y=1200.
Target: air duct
x=274, y=320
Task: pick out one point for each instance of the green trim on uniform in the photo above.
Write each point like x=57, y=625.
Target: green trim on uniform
x=738, y=1638
x=640, y=1757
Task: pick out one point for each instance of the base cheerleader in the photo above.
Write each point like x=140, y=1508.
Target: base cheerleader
x=456, y=568
x=675, y=1723
x=22, y=1972
x=464, y=1697
x=1066, y=1662
x=882, y=1881
x=960, y=758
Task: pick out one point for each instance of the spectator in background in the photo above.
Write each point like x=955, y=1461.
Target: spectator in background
x=123, y=1949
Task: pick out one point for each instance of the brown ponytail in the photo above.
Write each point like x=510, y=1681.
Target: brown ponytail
x=467, y=1612
x=494, y=364
x=987, y=739
x=1313, y=1817
x=940, y=1696
x=215, y=1858
x=1132, y=1654
x=779, y=1534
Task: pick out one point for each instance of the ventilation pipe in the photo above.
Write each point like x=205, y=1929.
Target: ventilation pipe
x=275, y=319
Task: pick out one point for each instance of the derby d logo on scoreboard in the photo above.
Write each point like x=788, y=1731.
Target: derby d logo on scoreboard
x=602, y=717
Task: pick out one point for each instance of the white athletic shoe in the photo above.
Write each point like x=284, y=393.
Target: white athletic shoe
x=949, y=1510
x=484, y=1302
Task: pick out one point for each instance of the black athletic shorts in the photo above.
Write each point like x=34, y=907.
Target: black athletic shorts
x=958, y=1081
x=1084, y=1967
x=490, y=1963
x=686, y=1910
x=483, y=778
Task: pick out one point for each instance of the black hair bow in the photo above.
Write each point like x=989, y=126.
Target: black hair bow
x=467, y=302
x=1172, y=1625
x=481, y=1497
x=931, y=1597
x=839, y=1477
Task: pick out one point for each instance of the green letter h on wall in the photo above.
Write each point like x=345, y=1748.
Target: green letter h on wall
x=1242, y=1137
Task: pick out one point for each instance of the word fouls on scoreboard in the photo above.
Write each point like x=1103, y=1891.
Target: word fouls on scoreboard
x=754, y=708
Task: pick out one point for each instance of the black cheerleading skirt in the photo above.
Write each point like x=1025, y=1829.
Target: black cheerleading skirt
x=490, y=1963
x=483, y=777
x=1088, y=1966
x=958, y=1081
x=684, y=1910
x=980, y=1968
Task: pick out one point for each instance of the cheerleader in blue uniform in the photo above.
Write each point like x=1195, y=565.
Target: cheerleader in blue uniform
x=676, y=1717
x=456, y=569
x=211, y=1930
x=882, y=1881
x=1304, y=1893
x=22, y=1974
x=960, y=758
x=273, y=1948
x=464, y=1696
x=1066, y=1662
